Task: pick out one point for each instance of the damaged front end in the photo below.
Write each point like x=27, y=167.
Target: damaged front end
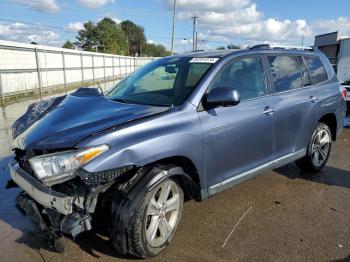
x=65, y=204
x=69, y=180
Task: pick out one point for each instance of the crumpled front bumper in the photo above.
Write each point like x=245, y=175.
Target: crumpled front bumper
x=54, y=212
x=46, y=197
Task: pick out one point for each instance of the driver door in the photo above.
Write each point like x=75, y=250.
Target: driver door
x=238, y=138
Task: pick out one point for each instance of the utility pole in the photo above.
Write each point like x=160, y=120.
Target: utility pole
x=196, y=46
x=194, y=33
x=173, y=34
x=302, y=40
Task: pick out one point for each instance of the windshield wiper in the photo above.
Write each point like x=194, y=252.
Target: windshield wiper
x=125, y=101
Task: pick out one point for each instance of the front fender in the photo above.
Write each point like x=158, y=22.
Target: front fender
x=143, y=142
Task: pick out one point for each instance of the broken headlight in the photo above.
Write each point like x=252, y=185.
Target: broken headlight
x=59, y=167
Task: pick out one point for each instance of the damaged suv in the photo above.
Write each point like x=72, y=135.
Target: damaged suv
x=181, y=127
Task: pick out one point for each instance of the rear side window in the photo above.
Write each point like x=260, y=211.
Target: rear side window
x=285, y=73
x=317, y=71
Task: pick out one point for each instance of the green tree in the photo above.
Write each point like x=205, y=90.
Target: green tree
x=111, y=38
x=106, y=37
x=155, y=50
x=87, y=37
x=220, y=48
x=135, y=35
x=126, y=38
x=68, y=44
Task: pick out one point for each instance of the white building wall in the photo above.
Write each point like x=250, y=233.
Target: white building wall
x=343, y=71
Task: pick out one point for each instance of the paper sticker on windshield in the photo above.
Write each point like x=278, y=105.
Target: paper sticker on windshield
x=206, y=60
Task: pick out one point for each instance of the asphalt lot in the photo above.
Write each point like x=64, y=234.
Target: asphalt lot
x=287, y=218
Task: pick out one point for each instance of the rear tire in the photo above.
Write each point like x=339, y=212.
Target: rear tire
x=318, y=150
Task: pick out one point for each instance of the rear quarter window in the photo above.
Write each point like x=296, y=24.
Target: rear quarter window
x=316, y=69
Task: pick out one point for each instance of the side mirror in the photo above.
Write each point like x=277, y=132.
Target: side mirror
x=222, y=96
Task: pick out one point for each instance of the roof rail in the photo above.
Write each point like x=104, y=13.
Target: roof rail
x=293, y=47
x=261, y=46
x=268, y=46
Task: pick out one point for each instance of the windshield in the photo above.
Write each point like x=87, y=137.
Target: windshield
x=164, y=82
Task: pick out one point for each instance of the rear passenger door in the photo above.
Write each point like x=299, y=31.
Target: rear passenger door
x=294, y=105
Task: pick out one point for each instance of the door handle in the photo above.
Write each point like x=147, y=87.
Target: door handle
x=269, y=110
x=314, y=99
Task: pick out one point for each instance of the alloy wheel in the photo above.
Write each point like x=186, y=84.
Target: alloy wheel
x=162, y=213
x=320, y=147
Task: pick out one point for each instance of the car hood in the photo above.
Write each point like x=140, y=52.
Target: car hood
x=64, y=121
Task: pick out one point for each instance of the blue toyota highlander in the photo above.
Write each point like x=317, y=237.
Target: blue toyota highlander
x=181, y=127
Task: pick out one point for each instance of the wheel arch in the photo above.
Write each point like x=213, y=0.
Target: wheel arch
x=184, y=170
x=331, y=121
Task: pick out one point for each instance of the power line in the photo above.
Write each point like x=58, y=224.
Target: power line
x=67, y=29
x=73, y=8
x=152, y=36
x=38, y=25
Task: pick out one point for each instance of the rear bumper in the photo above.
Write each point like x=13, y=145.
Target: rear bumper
x=41, y=194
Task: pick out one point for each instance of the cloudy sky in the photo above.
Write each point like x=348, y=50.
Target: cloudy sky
x=220, y=22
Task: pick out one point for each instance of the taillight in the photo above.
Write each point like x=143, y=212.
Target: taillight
x=343, y=92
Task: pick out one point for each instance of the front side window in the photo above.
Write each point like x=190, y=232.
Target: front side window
x=246, y=75
x=317, y=71
x=285, y=73
x=164, y=82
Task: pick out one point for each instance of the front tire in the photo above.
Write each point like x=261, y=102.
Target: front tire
x=318, y=150
x=154, y=223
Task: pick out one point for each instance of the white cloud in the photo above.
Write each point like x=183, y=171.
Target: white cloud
x=40, y=5
x=20, y=32
x=75, y=26
x=222, y=20
x=118, y=21
x=340, y=24
x=95, y=3
x=220, y=6
x=150, y=41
